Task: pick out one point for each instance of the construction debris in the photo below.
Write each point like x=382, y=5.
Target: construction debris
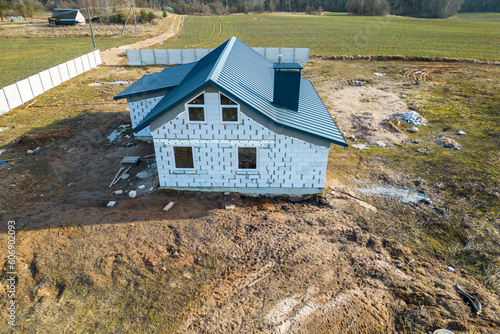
x=475, y=304
x=132, y=194
x=169, y=206
x=111, y=204
x=411, y=117
x=126, y=163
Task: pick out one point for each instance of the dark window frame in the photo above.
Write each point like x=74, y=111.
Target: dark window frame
x=240, y=163
x=225, y=105
x=174, y=155
x=190, y=105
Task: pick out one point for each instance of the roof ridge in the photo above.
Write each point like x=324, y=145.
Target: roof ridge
x=214, y=74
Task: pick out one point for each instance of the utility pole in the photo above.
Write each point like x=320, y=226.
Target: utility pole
x=90, y=24
x=128, y=15
x=135, y=22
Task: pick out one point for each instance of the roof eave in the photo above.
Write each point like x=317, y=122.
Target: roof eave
x=145, y=122
x=118, y=97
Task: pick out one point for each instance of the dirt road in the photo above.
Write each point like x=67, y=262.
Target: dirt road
x=115, y=56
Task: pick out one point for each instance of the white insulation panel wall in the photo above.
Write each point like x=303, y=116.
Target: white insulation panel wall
x=139, y=107
x=287, y=164
x=25, y=90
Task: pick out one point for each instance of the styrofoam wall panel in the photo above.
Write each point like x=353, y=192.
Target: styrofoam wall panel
x=13, y=97
x=63, y=70
x=24, y=89
x=4, y=106
x=36, y=84
x=46, y=80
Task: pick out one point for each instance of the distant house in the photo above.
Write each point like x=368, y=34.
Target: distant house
x=234, y=121
x=67, y=17
x=12, y=17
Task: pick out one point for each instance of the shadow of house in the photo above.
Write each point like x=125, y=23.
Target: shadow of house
x=67, y=17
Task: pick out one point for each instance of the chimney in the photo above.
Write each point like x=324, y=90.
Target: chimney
x=287, y=85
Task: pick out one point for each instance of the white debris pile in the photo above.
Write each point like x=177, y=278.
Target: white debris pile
x=411, y=117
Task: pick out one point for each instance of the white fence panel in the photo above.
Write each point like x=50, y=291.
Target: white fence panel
x=12, y=95
x=46, y=80
x=97, y=55
x=72, y=68
x=24, y=89
x=134, y=57
x=85, y=62
x=161, y=56
x=79, y=65
x=175, y=57
x=36, y=84
x=148, y=56
x=92, y=60
x=302, y=55
x=63, y=70
x=184, y=56
x=188, y=56
x=55, y=75
x=4, y=105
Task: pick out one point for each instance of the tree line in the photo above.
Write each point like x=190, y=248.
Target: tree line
x=415, y=8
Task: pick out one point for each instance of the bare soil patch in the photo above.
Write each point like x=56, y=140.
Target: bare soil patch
x=337, y=263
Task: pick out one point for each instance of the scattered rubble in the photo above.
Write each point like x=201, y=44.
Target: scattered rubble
x=118, y=192
x=132, y=194
x=118, y=82
x=168, y=206
x=111, y=204
x=144, y=175
x=448, y=143
x=411, y=117
x=360, y=146
x=404, y=195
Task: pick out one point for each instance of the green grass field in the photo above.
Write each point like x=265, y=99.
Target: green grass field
x=22, y=57
x=465, y=36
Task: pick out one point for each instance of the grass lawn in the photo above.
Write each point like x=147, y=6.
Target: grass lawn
x=465, y=36
x=22, y=57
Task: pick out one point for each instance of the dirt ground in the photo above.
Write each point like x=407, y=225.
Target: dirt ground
x=269, y=266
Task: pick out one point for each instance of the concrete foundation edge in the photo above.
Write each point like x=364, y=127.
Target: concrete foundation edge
x=255, y=191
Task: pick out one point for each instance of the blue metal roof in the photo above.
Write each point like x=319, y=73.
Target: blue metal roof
x=248, y=78
x=157, y=82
